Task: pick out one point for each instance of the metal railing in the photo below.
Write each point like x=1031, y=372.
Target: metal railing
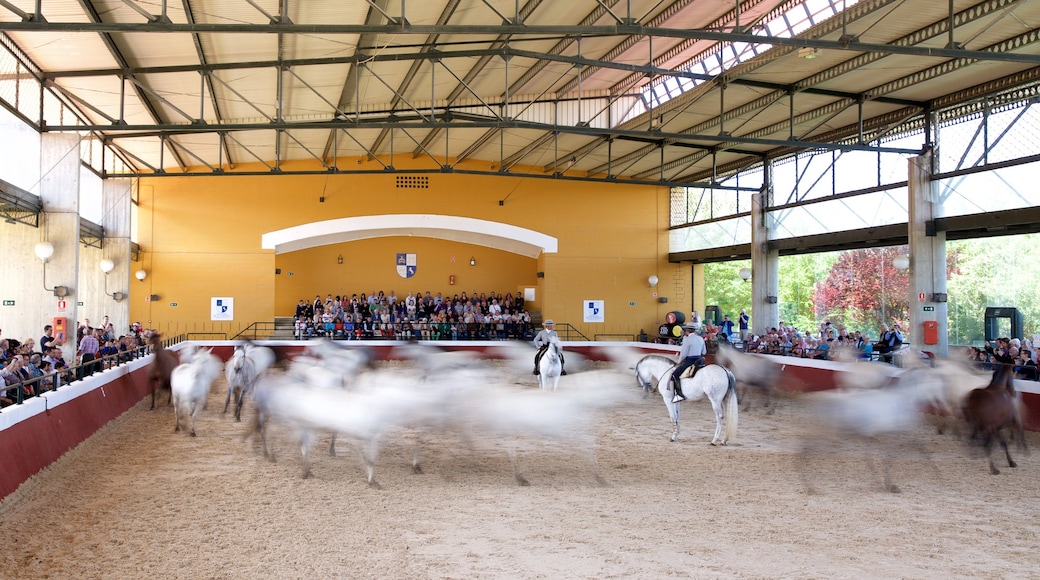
x=17, y=392
x=256, y=331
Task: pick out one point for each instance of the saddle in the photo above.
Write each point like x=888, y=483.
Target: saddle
x=692, y=370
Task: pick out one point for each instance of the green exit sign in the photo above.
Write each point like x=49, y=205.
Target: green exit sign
x=929, y=308
x=8, y=302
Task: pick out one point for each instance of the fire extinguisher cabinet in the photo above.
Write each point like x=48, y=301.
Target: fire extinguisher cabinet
x=931, y=332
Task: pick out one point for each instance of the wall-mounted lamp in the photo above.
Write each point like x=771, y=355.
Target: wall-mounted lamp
x=745, y=274
x=339, y=259
x=140, y=275
x=107, y=266
x=44, y=250
x=472, y=261
x=652, y=280
x=901, y=263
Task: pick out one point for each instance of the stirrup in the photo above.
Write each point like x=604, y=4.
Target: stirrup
x=678, y=398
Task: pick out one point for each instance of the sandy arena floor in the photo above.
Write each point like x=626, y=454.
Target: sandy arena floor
x=138, y=500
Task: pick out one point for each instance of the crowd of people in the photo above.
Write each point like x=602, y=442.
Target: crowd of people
x=1015, y=352
x=784, y=340
x=420, y=316
x=29, y=368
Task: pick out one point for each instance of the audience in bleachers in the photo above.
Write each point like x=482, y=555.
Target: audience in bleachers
x=418, y=315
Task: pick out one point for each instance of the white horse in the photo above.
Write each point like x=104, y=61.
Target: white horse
x=550, y=366
x=713, y=381
x=263, y=357
x=241, y=373
x=190, y=383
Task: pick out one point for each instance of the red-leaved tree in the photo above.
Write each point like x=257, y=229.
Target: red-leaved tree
x=864, y=290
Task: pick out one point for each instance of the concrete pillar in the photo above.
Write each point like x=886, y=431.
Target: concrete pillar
x=116, y=247
x=765, y=267
x=927, y=258
x=59, y=192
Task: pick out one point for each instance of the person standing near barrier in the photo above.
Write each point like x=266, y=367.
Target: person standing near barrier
x=742, y=325
x=88, y=349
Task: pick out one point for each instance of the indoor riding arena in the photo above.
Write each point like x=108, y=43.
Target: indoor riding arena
x=453, y=256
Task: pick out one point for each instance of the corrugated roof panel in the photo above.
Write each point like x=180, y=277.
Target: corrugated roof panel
x=327, y=80
x=251, y=94
x=237, y=48
x=150, y=49
x=65, y=51
x=176, y=96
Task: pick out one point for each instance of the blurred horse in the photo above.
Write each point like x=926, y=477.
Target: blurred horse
x=991, y=410
x=752, y=371
x=881, y=417
x=162, y=366
x=241, y=373
x=190, y=384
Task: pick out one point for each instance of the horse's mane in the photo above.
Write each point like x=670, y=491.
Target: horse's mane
x=1003, y=379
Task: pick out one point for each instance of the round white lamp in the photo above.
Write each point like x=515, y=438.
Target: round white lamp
x=44, y=251
x=901, y=262
x=140, y=275
x=107, y=265
x=745, y=274
x=652, y=280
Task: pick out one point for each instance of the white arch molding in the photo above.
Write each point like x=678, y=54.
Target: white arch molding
x=490, y=234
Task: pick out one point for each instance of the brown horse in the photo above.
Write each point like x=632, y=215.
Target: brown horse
x=162, y=367
x=990, y=410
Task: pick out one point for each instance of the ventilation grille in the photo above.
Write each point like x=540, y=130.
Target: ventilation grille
x=413, y=182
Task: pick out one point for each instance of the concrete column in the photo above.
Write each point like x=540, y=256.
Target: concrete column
x=927, y=257
x=59, y=192
x=116, y=247
x=765, y=266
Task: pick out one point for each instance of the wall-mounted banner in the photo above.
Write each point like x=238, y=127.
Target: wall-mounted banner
x=406, y=265
x=593, y=310
x=222, y=309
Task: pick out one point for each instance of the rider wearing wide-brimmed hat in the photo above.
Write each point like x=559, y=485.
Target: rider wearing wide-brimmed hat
x=691, y=354
x=541, y=341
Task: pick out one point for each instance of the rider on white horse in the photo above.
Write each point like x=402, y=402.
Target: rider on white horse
x=691, y=354
x=541, y=342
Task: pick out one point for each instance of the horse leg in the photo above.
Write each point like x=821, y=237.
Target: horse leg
x=719, y=438
x=195, y=408
x=514, y=458
x=368, y=456
x=227, y=400
x=305, y=451
x=176, y=419
x=988, y=444
x=1004, y=444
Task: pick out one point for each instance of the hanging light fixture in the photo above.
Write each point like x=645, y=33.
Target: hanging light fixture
x=745, y=274
x=652, y=280
x=901, y=262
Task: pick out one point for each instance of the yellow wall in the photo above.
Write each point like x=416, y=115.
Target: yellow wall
x=201, y=238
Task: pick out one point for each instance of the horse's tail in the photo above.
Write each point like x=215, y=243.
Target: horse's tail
x=732, y=408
